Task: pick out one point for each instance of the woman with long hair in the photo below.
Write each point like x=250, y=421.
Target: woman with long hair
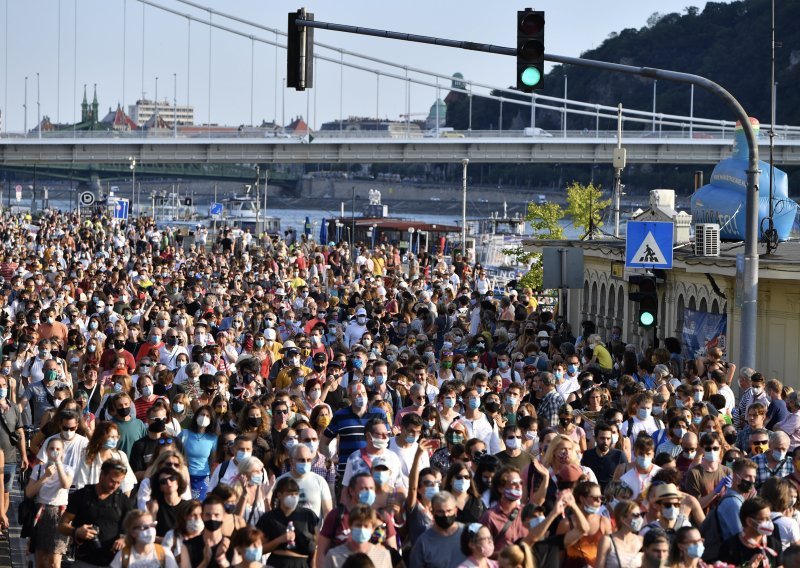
x=199, y=444
x=583, y=550
x=622, y=548
x=141, y=550
x=102, y=446
x=168, y=457
x=460, y=483
x=185, y=540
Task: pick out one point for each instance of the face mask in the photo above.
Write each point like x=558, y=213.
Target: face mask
x=178, y=407
x=473, y=365
x=460, y=367
x=679, y=433
x=456, y=439
x=745, y=486
x=765, y=528
x=203, y=421
x=536, y=521
x=678, y=403
x=572, y=369
x=181, y=363
x=512, y=443
x=636, y=524
x=360, y=402
x=146, y=536
x=559, y=375
x=324, y=421
x=242, y=455
x=358, y=363
x=669, y=513
x=147, y=391
x=313, y=446
x=194, y=525
x=92, y=325
x=644, y=461
x=118, y=387
x=251, y=553
x=366, y=497
x=444, y=521
x=614, y=439
x=213, y=526
x=380, y=443
x=691, y=455
x=695, y=550
x=696, y=420
x=157, y=426
x=50, y=376
x=778, y=455
x=591, y=510
x=380, y=477
x=492, y=406
x=512, y=494
x=512, y=401
x=757, y=391
x=658, y=411
x=3, y=393
x=381, y=379
x=711, y=456
x=643, y=413
x=532, y=435
x=461, y=485
x=361, y=535
x=431, y=491
x=289, y=444
x=302, y=467
x=54, y=454
x=290, y=501
x=124, y=412
x=502, y=364
x=487, y=549
x=92, y=348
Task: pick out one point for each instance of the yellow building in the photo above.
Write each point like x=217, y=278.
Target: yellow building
x=703, y=283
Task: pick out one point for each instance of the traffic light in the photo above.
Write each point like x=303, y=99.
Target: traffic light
x=530, y=50
x=647, y=297
x=300, y=52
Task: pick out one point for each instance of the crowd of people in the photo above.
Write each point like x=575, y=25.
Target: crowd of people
x=245, y=402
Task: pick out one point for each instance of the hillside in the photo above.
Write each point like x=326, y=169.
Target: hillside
x=728, y=43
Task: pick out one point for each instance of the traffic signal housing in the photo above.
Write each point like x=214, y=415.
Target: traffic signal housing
x=300, y=52
x=530, y=50
x=647, y=298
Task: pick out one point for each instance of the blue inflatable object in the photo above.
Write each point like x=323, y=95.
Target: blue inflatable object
x=723, y=200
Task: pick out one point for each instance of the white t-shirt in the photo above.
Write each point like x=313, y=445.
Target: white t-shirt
x=406, y=456
x=51, y=492
x=314, y=491
x=356, y=464
x=73, y=450
x=146, y=560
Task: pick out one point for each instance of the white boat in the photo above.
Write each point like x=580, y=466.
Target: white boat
x=242, y=211
x=493, y=235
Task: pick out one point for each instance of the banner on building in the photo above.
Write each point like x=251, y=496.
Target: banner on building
x=702, y=331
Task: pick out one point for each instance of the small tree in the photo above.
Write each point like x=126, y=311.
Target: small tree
x=585, y=204
x=545, y=222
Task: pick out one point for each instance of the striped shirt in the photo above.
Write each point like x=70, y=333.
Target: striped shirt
x=349, y=427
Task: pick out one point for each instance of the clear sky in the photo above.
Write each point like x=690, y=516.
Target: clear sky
x=39, y=41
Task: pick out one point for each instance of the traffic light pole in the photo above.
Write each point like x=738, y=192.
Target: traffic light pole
x=747, y=341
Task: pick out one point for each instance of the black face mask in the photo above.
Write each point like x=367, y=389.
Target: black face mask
x=123, y=412
x=212, y=526
x=730, y=437
x=744, y=486
x=444, y=521
x=172, y=341
x=157, y=426
x=253, y=421
x=118, y=344
x=492, y=406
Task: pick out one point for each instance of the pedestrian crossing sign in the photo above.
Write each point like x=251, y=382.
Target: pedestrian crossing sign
x=121, y=209
x=648, y=245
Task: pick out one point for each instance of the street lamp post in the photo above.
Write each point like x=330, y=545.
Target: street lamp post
x=464, y=163
x=25, y=106
x=134, y=206
x=411, y=239
x=353, y=227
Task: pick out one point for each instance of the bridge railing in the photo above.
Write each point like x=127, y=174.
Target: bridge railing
x=441, y=136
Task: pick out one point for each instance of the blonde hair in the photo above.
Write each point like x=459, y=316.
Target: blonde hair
x=517, y=555
x=555, y=445
x=131, y=520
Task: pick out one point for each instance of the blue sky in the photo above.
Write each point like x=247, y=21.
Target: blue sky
x=34, y=46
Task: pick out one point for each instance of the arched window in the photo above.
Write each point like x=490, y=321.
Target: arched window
x=593, y=305
x=715, y=306
x=612, y=299
x=692, y=303
x=680, y=314
x=703, y=305
x=585, y=296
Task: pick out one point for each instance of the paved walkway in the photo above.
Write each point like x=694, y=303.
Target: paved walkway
x=12, y=547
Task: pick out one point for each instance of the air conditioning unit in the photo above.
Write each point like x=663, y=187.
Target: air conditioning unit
x=706, y=239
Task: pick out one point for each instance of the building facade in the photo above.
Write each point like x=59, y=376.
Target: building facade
x=144, y=110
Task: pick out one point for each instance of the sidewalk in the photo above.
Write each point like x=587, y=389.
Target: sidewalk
x=12, y=547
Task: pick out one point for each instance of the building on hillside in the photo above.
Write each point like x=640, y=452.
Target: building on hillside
x=144, y=109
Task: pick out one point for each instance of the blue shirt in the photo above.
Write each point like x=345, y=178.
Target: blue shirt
x=728, y=515
x=198, y=449
x=776, y=412
x=349, y=427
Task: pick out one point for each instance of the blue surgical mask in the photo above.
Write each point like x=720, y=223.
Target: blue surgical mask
x=257, y=479
x=461, y=485
x=381, y=477
x=3, y=393
x=536, y=521
x=643, y=413
x=302, y=467
x=559, y=375
x=460, y=367
x=695, y=550
x=366, y=497
x=591, y=510
x=253, y=553
x=644, y=461
x=572, y=369
x=361, y=534
x=449, y=402
x=241, y=455
x=430, y=492
x=474, y=403
x=381, y=379
x=110, y=443
x=358, y=363
x=473, y=365
x=411, y=439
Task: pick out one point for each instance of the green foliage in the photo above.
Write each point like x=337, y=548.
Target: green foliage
x=545, y=221
x=585, y=205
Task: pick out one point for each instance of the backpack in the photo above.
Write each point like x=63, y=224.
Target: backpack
x=160, y=554
x=712, y=533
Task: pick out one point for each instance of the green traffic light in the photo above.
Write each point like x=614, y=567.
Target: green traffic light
x=646, y=319
x=531, y=76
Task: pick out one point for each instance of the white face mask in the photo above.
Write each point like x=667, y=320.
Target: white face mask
x=203, y=421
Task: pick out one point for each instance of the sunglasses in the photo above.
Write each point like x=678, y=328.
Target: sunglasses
x=165, y=441
x=168, y=479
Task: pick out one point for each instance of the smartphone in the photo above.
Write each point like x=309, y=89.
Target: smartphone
x=436, y=444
